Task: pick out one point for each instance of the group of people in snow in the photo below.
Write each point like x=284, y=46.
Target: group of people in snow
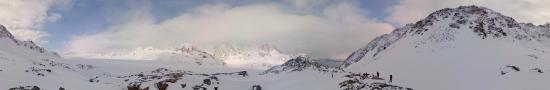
x=369, y=76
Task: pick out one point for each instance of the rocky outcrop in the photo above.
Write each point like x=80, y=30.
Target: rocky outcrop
x=301, y=63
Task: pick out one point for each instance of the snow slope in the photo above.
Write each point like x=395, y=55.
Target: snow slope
x=464, y=48
x=23, y=63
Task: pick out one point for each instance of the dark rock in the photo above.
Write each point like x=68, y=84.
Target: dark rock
x=161, y=85
x=207, y=81
x=136, y=86
x=183, y=85
x=256, y=87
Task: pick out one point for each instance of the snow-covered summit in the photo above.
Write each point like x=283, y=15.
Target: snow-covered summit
x=444, y=25
x=191, y=52
x=255, y=57
x=301, y=63
x=483, y=21
x=464, y=48
x=226, y=50
x=4, y=33
x=30, y=45
x=183, y=52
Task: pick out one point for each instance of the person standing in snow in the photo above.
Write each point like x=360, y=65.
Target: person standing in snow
x=391, y=78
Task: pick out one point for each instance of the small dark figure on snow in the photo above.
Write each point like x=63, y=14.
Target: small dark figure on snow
x=391, y=78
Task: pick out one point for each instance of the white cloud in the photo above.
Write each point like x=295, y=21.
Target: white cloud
x=308, y=5
x=25, y=18
x=29, y=35
x=409, y=11
x=340, y=29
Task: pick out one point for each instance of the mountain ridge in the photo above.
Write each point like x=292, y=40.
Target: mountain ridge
x=464, y=48
x=484, y=22
x=4, y=33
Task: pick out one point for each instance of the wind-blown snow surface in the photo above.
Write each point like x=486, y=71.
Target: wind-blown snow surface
x=465, y=48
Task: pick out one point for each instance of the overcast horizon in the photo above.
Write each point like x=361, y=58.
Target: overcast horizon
x=320, y=28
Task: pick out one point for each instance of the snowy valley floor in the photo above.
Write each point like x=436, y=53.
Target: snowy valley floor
x=89, y=74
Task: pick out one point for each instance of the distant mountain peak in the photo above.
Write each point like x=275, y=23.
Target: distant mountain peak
x=483, y=21
x=268, y=47
x=4, y=33
x=187, y=49
x=261, y=56
x=301, y=63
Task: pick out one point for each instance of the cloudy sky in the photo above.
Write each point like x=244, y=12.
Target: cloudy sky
x=321, y=28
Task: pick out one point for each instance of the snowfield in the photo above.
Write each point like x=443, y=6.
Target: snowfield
x=464, y=48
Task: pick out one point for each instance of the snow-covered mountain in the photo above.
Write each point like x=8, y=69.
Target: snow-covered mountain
x=257, y=57
x=464, y=48
x=12, y=44
x=301, y=63
x=183, y=52
x=252, y=57
x=25, y=66
x=191, y=52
